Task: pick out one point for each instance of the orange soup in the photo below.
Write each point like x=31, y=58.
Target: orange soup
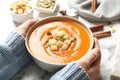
x=59, y=41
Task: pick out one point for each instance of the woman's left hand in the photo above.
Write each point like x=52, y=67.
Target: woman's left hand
x=23, y=28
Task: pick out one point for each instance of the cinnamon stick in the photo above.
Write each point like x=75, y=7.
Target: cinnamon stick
x=94, y=3
x=97, y=27
x=102, y=34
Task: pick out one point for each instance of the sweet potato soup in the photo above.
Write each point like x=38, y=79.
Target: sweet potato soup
x=59, y=41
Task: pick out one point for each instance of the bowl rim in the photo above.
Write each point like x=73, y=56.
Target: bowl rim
x=46, y=19
x=30, y=11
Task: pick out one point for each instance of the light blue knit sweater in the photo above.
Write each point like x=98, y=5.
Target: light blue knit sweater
x=14, y=55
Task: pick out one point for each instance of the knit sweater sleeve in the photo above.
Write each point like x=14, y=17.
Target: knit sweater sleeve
x=13, y=55
x=71, y=72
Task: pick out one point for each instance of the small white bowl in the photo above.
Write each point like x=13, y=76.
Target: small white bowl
x=20, y=18
x=37, y=7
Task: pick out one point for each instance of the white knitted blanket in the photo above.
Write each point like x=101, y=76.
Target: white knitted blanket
x=115, y=75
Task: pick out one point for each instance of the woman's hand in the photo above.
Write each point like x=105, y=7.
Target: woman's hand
x=91, y=61
x=23, y=28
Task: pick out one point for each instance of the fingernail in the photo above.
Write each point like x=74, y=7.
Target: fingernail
x=36, y=19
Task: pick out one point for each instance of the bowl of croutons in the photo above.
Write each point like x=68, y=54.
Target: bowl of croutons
x=56, y=41
x=21, y=11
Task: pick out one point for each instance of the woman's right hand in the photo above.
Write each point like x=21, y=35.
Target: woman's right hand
x=91, y=61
